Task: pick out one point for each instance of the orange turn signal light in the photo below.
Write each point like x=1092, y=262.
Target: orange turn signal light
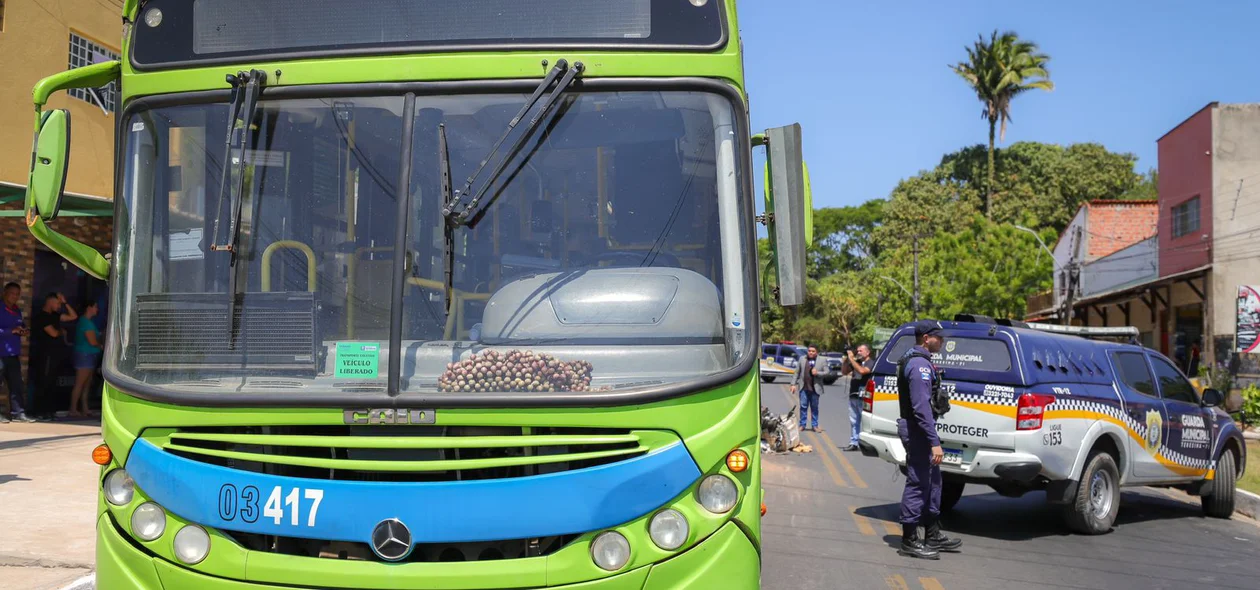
x=101, y=455
x=763, y=508
x=737, y=461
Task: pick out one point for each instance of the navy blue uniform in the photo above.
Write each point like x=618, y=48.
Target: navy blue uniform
x=917, y=429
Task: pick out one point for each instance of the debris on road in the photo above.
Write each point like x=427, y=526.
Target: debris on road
x=779, y=434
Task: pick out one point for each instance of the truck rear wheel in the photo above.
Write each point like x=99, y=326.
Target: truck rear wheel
x=1219, y=503
x=951, y=493
x=1097, y=501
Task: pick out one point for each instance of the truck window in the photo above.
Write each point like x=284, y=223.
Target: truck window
x=1134, y=373
x=1172, y=384
x=972, y=354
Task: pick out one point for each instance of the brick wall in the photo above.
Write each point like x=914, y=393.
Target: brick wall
x=1114, y=226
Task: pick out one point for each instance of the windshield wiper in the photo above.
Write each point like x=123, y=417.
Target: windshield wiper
x=448, y=228
x=469, y=214
x=246, y=88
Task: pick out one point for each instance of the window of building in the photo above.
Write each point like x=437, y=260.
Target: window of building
x=1185, y=218
x=85, y=52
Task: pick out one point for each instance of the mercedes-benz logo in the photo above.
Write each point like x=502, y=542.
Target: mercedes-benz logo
x=391, y=540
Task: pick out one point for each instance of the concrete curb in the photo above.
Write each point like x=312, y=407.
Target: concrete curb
x=1246, y=503
x=87, y=582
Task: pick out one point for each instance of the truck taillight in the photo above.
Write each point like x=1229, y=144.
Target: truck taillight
x=1032, y=408
x=868, y=398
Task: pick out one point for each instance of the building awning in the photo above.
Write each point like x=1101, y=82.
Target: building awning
x=72, y=204
x=1121, y=295
x=1133, y=291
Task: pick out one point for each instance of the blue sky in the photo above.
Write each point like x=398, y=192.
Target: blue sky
x=869, y=81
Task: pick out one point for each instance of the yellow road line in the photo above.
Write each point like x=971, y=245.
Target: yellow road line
x=931, y=584
x=896, y=582
x=844, y=462
x=863, y=524
x=892, y=528
x=826, y=459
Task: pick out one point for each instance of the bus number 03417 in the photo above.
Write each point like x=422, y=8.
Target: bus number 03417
x=243, y=504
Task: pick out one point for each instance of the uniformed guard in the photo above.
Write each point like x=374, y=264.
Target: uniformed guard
x=918, y=390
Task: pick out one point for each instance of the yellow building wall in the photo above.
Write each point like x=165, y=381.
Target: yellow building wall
x=35, y=43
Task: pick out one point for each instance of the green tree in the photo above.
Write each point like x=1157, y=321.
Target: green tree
x=998, y=70
x=843, y=238
x=923, y=204
x=1146, y=189
x=986, y=268
x=1042, y=185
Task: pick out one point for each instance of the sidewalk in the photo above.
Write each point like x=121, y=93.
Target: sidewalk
x=47, y=493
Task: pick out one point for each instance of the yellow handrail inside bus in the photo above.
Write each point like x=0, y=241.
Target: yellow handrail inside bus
x=288, y=245
x=454, y=321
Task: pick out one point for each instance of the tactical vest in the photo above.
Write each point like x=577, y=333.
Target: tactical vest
x=939, y=399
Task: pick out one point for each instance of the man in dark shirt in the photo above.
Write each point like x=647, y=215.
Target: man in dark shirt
x=921, y=500
x=12, y=329
x=807, y=381
x=858, y=367
x=48, y=352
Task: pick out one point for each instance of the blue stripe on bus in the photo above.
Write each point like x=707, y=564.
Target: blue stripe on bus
x=565, y=503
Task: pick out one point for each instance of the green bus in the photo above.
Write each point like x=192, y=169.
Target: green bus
x=431, y=294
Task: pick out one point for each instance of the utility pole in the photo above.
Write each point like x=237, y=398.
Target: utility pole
x=1073, y=276
x=915, y=250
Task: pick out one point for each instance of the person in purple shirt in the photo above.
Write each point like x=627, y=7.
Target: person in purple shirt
x=921, y=500
x=12, y=330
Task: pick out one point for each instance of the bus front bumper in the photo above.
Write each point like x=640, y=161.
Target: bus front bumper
x=727, y=560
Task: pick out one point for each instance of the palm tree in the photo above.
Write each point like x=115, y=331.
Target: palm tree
x=998, y=70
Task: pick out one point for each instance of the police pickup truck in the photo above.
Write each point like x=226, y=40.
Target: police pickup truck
x=779, y=360
x=1032, y=409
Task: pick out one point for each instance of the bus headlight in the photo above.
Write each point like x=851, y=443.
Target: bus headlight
x=610, y=551
x=192, y=544
x=717, y=494
x=669, y=529
x=148, y=522
x=118, y=487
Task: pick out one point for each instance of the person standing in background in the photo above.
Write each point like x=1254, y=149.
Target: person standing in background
x=87, y=355
x=48, y=352
x=808, y=381
x=858, y=367
x=12, y=329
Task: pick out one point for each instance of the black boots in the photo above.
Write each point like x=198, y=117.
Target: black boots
x=913, y=546
x=937, y=540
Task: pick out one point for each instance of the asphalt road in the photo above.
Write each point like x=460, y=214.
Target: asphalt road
x=832, y=523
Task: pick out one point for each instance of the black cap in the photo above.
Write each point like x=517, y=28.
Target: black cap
x=925, y=327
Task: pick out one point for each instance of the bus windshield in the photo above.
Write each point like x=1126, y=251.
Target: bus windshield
x=609, y=255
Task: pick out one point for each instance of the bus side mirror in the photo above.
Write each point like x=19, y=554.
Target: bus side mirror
x=48, y=168
x=789, y=209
